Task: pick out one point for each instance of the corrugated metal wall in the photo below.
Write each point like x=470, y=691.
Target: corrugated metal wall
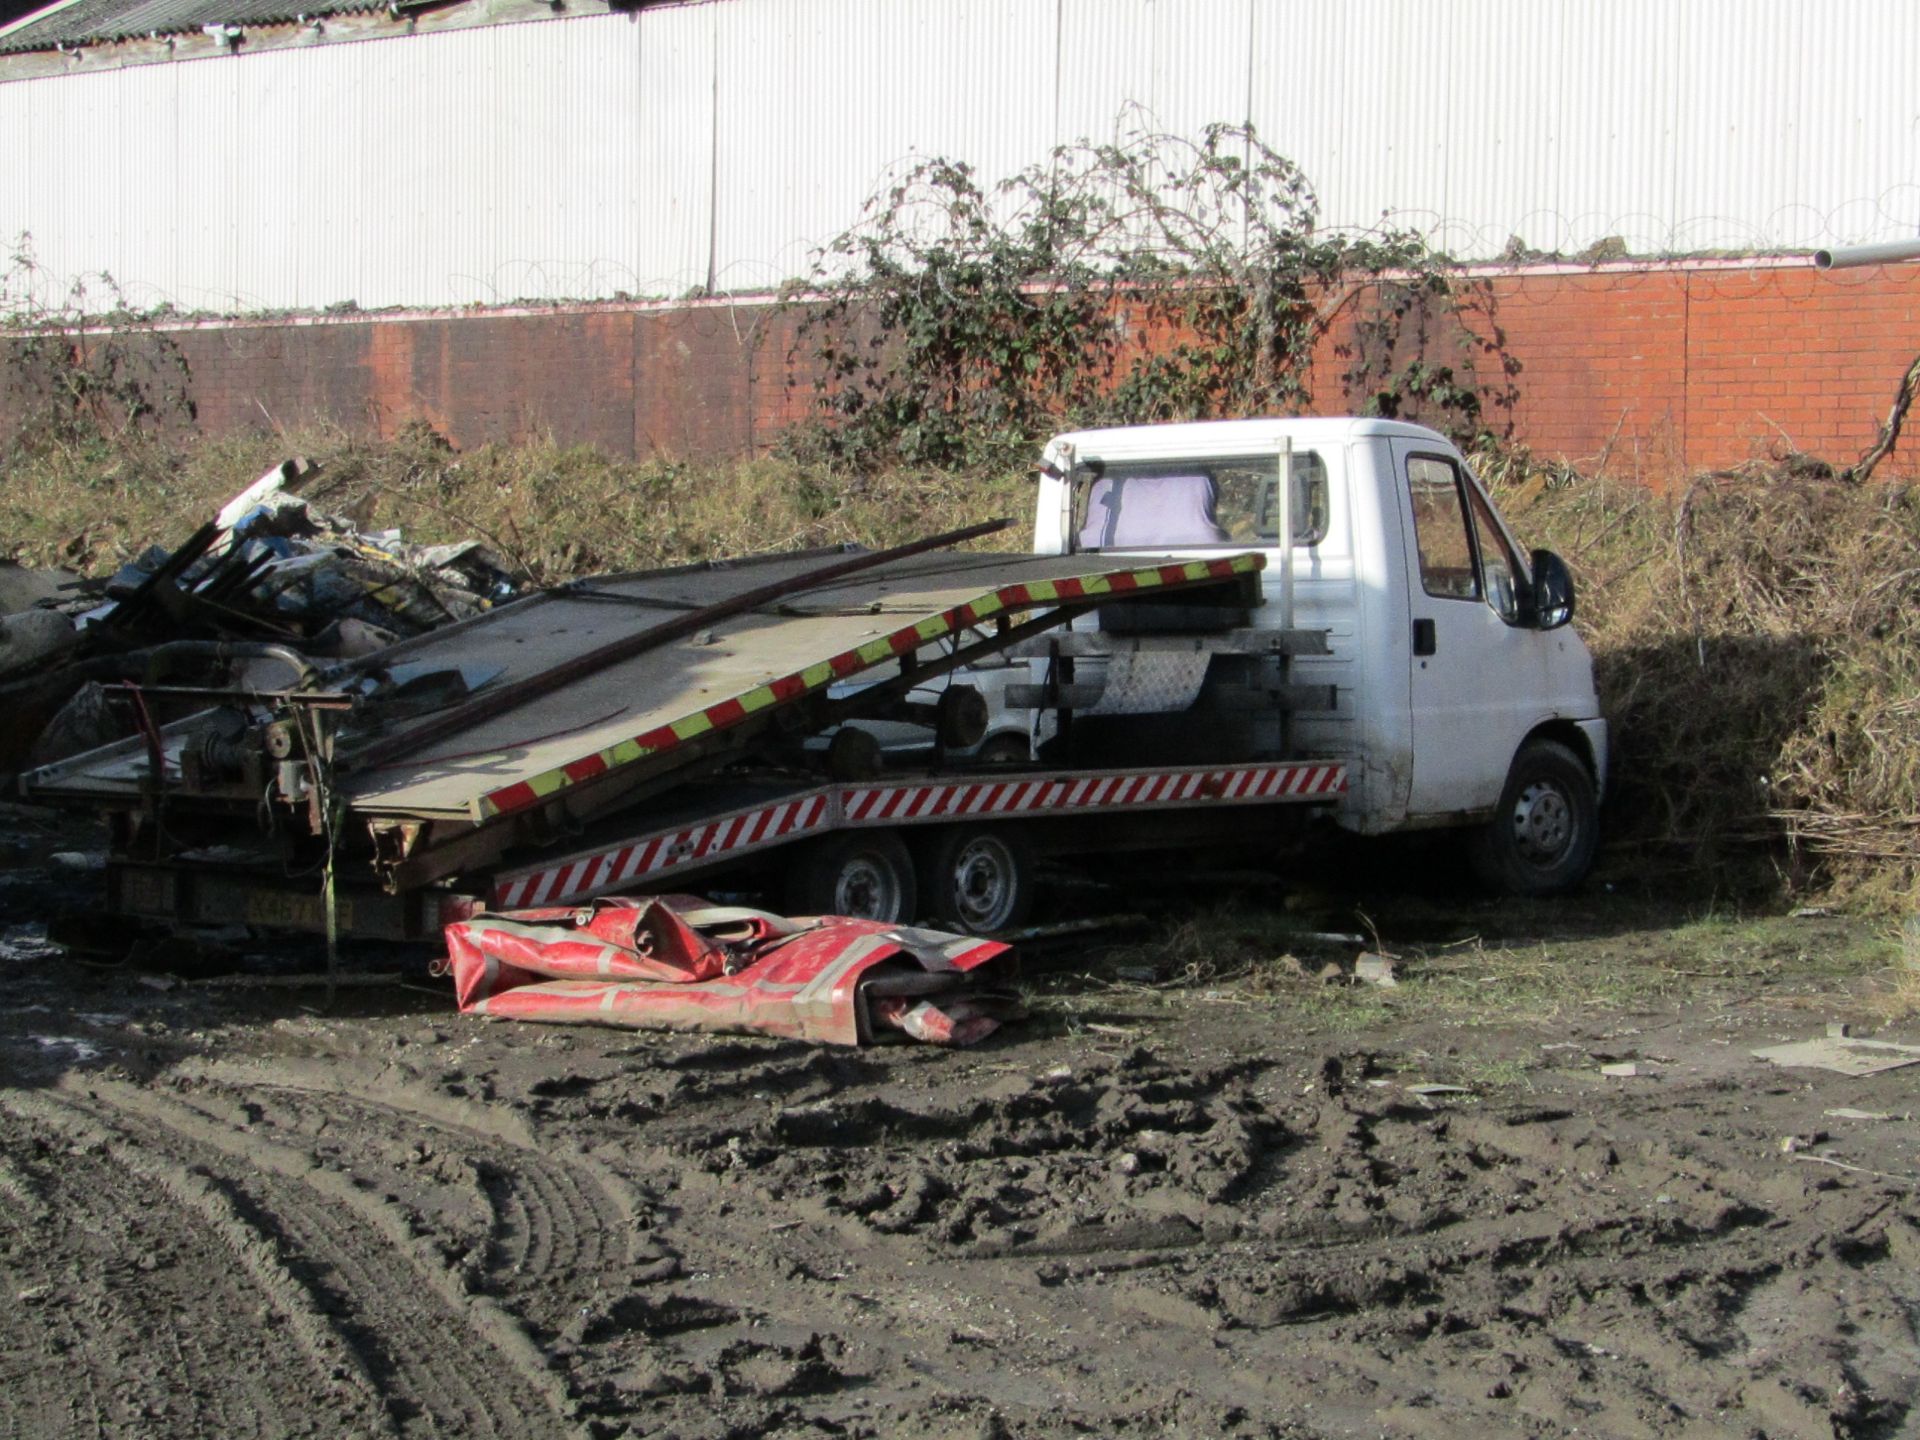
x=717, y=144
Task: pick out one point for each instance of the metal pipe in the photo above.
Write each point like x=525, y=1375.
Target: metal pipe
x=1887, y=252
x=149, y=665
x=160, y=658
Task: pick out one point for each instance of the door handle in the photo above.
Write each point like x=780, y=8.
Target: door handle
x=1423, y=638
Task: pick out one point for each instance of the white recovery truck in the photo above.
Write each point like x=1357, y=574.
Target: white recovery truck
x=1225, y=632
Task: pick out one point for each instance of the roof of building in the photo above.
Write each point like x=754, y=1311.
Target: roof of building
x=92, y=22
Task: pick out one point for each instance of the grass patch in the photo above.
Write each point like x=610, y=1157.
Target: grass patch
x=1506, y=1074
x=1644, y=960
x=1900, y=999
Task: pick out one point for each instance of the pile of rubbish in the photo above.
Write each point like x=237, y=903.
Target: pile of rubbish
x=257, y=597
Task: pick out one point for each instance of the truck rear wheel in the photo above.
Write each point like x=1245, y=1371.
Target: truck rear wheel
x=1542, y=839
x=977, y=879
x=867, y=874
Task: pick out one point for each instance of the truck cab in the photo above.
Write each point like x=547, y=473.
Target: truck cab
x=1449, y=679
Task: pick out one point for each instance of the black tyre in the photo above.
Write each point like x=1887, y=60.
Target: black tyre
x=1542, y=839
x=977, y=879
x=867, y=874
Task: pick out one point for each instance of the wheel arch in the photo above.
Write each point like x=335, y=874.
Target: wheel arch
x=1570, y=734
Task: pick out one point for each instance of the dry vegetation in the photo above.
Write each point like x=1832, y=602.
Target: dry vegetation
x=1497, y=964
x=550, y=510
x=1755, y=636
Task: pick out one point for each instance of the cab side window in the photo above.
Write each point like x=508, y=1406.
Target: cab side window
x=1498, y=564
x=1440, y=529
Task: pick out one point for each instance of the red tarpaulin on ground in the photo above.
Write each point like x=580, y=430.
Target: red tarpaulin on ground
x=678, y=963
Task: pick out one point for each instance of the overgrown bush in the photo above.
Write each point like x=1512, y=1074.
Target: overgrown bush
x=1154, y=278
x=84, y=376
x=1756, y=636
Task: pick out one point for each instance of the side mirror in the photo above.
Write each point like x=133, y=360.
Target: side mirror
x=1552, y=595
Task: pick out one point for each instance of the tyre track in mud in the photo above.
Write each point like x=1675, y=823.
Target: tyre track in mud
x=551, y=1228
x=568, y=1240
x=445, y=1361
x=900, y=1217
x=168, y=1331
x=1416, y=1267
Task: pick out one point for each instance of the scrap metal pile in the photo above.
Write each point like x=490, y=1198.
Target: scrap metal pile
x=253, y=597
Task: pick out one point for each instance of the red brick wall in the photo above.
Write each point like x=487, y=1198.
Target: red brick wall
x=1657, y=369
x=1602, y=364
x=1691, y=368
x=1706, y=366
x=632, y=380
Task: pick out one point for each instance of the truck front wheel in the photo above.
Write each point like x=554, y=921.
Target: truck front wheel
x=1542, y=839
x=977, y=878
x=863, y=873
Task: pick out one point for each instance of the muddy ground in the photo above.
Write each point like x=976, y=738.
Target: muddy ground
x=1196, y=1194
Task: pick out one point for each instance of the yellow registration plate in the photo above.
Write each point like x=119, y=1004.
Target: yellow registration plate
x=295, y=912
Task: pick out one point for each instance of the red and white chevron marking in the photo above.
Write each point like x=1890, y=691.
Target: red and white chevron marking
x=906, y=804
x=603, y=873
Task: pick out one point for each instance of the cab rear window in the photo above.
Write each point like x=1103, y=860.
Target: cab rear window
x=1185, y=504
